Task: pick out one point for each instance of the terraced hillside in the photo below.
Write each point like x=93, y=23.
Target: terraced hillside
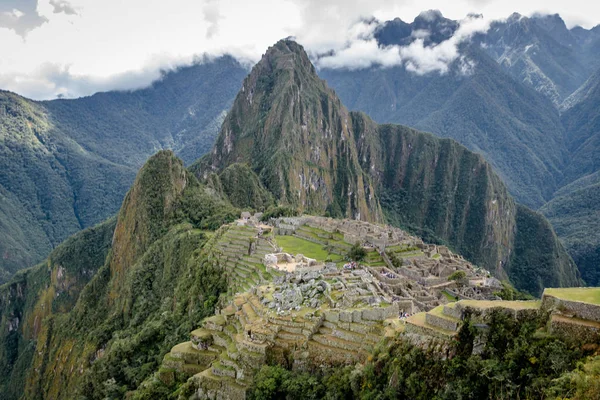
x=241, y=253
x=329, y=314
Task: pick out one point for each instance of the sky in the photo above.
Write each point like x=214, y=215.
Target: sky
x=74, y=48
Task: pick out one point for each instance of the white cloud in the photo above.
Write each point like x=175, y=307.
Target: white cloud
x=212, y=16
x=109, y=39
x=14, y=14
x=362, y=51
x=63, y=6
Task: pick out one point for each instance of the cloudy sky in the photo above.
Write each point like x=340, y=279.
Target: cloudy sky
x=78, y=47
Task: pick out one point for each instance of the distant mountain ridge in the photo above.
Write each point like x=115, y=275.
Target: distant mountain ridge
x=66, y=164
x=529, y=107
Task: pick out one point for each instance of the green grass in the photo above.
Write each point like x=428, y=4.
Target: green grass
x=515, y=305
x=448, y=296
x=586, y=295
x=295, y=245
x=439, y=312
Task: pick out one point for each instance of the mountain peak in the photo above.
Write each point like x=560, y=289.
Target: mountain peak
x=285, y=54
x=289, y=127
x=430, y=16
x=144, y=214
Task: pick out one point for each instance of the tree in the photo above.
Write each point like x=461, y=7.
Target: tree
x=460, y=277
x=357, y=252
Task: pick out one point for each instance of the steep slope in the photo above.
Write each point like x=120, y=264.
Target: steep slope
x=582, y=131
x=292, y=130
x=68, y=163
x=129, y=298
x=49, y=289
x=439, y=189
x=50, y=186
x=182, y=111
x=311, y=153
x=541, y=52
x=242, y=187
x=575, y=214
x=516, y=129
x=538, y=258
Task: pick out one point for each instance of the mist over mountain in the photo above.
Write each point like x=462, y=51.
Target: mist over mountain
x=68, y=163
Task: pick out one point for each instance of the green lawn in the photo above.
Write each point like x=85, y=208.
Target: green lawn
x=295, y=245
x=586, y=295
x=515, y=305
x=448, y=296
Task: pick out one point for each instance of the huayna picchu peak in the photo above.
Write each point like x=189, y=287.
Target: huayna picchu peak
x=311, y=253
x=293, y=131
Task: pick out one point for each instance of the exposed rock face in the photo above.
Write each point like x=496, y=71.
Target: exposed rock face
x=35, y=297
x=296, y=135
x=310, y=152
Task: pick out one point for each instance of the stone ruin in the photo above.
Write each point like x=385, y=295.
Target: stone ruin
x=249, y=219
x=353, y=231
x=321, y=313
x=289, y=263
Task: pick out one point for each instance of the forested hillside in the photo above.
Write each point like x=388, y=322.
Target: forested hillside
x=66, y=164
x=108, y=306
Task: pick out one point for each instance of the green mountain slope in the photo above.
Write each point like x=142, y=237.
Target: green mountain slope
x=292, y=130
x=50, y=186
x=110, y=305
x=182, y=111
x=311, y=153
x=574, y=210
x=516, y=129
x=44, y=292
x=240, y=185
x=582, y=131
x=66, y=164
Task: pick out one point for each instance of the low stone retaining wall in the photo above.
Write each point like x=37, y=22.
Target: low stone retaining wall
x=253, y=347
x=422, y=331
x=340, y=344
x=441, y=322
x=568, y=328
x=454, y=312
x=576, y=308
x=218, y=389
x=223, y=372
x=368, y=314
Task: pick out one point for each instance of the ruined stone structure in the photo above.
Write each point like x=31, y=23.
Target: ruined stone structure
x=287, y=262
x=321, y=313
x=352, y=231
x=574, y=315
